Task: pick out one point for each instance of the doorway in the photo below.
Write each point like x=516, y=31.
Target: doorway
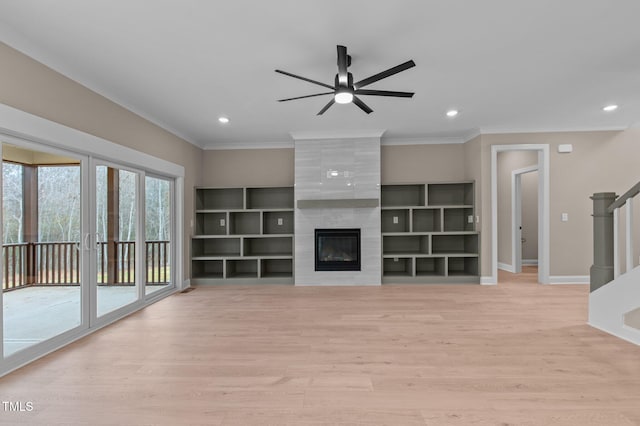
x=542, y=151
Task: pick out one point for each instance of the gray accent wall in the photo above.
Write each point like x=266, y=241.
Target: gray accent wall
x=337, y=169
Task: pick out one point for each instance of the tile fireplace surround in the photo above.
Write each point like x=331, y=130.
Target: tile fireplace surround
x=337, y=185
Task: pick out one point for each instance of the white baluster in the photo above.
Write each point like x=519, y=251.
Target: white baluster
x=616, y=260
x=629, y=234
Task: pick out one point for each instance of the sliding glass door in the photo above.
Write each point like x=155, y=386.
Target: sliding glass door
x=42, y=273
x=85, y=241
x=158, y=233
x=115, y=244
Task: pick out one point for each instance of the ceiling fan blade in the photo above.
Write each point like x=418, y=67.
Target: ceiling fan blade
x=362, y=105
x=384, y=74
x=305, y=79
x=326, y=107
x=384, y=93
x=342, y=65
x=307, y=96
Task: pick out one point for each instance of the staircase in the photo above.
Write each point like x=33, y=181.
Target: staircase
x=632, y=319
x=614, y=300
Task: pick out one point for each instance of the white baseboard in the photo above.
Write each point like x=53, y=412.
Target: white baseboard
x=530, y=261
x=569, y=279
x=506, y=267
x=489, y=280
x=186, y=283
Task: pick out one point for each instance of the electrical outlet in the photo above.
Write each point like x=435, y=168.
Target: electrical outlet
x=222, y=222
x=565, y=217
x=279, y=221
x=470, y=219
x=395, y=220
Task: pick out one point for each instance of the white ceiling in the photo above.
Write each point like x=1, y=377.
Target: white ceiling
x=508, y=66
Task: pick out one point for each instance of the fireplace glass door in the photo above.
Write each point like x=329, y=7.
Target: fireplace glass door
x=337, y=249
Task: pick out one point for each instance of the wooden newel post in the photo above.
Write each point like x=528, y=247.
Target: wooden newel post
x=602, y=268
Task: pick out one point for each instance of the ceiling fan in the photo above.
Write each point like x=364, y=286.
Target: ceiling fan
x=345, y=90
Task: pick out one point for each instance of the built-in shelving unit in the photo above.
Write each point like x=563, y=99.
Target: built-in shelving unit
x=429, y=233
x=243, y=235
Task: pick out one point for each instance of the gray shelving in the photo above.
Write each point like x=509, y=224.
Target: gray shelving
x=243, y=235
x=428, y=233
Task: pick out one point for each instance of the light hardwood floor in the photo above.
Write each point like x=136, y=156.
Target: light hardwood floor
x=513, y=354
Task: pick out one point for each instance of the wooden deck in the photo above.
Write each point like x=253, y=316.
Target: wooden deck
x=513, y=354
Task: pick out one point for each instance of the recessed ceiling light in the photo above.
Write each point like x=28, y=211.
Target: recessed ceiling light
x=223, y=120
x=452, y=113
x=610, y=108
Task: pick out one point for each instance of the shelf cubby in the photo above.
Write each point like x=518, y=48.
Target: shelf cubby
x=395, y=220
x=271, y=246
x=278, y=222
x=397, y=266
x=462, y=266
x=450, y=194
x=247, y=223
x=402, y=195
x=213, y=247
x=426, y=220
x=242, y=268
x=270, y=198
x=457, y=219
x=211, y=223
x=276, y=268
x=430, y=266
x=219, y=198
x=405, y=244
x=207, y=269
x=446, y=244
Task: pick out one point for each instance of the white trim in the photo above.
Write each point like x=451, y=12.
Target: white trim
x=530, y=261
x=337, y=134
x=542, y=129
x=422, y=141
x=488, y=280
x=231, y=145
x=629, y=235
x=516, y=215
x=506, y=267
x=569, y=279
x=543, y=205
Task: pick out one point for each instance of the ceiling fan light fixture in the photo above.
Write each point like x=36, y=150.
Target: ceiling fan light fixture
x=344, y=96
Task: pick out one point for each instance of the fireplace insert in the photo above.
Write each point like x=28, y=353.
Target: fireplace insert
x=337, y=249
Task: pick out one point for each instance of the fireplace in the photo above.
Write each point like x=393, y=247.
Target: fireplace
x=337, y=249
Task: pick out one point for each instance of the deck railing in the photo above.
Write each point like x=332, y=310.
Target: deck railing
x=58, y=263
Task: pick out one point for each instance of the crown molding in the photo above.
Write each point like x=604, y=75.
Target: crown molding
x=230, y=145
x=337, y=134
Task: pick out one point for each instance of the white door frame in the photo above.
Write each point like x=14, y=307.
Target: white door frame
x=543, y=207
x=516, y=216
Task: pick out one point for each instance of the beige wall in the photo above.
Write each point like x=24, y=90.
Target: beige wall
x=270, y=167
x=422, y=163
x=600, y=162
x=34, y=88
x=507, y=163
x=247, y=167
